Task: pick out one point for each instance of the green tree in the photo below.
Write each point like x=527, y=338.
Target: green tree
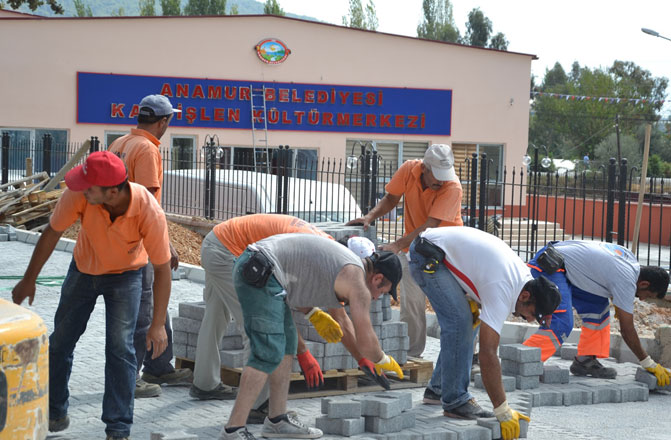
x=271, y=7
x=438, y=23
x=147, y=7
x=205, y=7
x=34, y=4
x=234, y=10
x=82, y=10
x=119, y=13
x=171, y=7
x=478, y=28
x=359, y=18
x=499, y=42
x=655, y=166
x=629, y=149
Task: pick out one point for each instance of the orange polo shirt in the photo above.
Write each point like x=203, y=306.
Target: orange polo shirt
x=420, y=204
x=106, y=247
x=239, y=232
x=139, y=151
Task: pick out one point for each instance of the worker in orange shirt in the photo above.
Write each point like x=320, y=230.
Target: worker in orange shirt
x=122, y=226
x=432, y=193
x=140, y=152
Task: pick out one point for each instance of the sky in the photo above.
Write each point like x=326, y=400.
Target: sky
x=593, y=32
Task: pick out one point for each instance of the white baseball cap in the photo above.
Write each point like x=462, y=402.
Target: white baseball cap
x=361, y=246
x=440, y=160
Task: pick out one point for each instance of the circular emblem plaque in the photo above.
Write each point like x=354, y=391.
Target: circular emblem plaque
x=272, y=51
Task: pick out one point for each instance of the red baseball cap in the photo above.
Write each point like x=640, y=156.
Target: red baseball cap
x=101, y=168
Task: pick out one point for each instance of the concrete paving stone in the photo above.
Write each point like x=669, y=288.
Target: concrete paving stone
x=576, y=395
x=60, y=245
x=4, y=237
x=192, y=339
x=185, y=325
x=4, y=229
x=378, y=331
x=232, y=358
x=405, y=399
x=33, y=237
x=401, y=356
x=337, y=349
x=313, y=335
x=380, y=406
x=345, y=427
x=317, y=348
x=339, y=408
x=394, y=344
x=394, y=329
x=520, y=353
x=179, y=337
x=386, y=313
x=545, y=396
x=172, y=435
x=376, y=318
x=647, y=378
x=470, y=432
x=12, y=236
x=70, y=246
x=513, y=368
x=386, y=301
x=376, y=305
x=632, y=392
x=493, y=425
x=553, y=374
x=192, y=310
x=524, y=428
x=304, y=331
x=190, y=352
x=526, y=382
x=381, y=425
x=569, y=351
x=334, y=362
x=22, y=235
x=231, y=343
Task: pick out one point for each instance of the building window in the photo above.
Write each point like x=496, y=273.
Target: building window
x=28, y=143
x=182, y=152
x=111, y=136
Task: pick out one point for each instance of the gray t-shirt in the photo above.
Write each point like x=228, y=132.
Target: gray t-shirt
x=306, y=266
x=603, y=269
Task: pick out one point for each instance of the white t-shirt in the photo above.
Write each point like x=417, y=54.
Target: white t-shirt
x=488, y=270
x=602, y=269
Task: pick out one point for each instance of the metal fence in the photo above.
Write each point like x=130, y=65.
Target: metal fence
x=525, y=206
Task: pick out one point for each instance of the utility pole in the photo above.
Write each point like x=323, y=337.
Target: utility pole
x=617, y=135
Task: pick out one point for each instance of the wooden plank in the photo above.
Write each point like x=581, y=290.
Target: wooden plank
x=39, y=176
x=56, y=180
x=47, y=205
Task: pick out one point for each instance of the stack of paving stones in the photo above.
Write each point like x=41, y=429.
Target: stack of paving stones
x=185, y=336
x=386, y=413
x=393, y=337
x=7, y=233
x=523, y=363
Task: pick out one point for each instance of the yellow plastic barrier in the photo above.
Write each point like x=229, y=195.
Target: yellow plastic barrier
x=24, y=374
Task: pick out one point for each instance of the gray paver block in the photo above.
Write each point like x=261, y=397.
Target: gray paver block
x=647, y=378
x=345, y=427
x=334, y=363
x=381, y=425
x=520, y=353
x=179, y=350
x=386, y=313
x=313, y=335
x=192, y=339
x=185, y=325
x=232, y=358
x=317, y=348
x=569, y=351
x=394, y=329
x=190, y=352
x=380, y=406
x=405, y=399
x=524, y=428
x=337, y=349
x=174, y=435
x=376, y=318
x=554, y=374
x=526, y=382
x=396, y=343
x=231, y=343
x=179, y=337
x=376, y=305
x=546, y=397
x=470, y=432
x=341, y=408
x=513, y=368
x=632, y=392
x=192, y=310
x=493, y=424
x=577, y=395
x=509, y=382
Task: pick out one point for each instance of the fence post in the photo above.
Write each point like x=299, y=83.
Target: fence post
x=210, y=177
x=610, y=200
x=474, y=186
x=373, y=180
x=534, y=201
x=46, y=153
x=621, y=230
x=95, y=144
x=365, y=180
x=280, y=181
x=5, y=157
x=285, y=178
x=482, y=206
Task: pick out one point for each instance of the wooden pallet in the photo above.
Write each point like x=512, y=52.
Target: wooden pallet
x=336, y=382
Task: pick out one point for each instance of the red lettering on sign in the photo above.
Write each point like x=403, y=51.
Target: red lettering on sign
x=273, y=116
x=412, y=121
x=166, y=90
x=117, y=110
x=379, y=98
x=283, y=95
x=294, y=96
x=258, y=115
x=385, y=120
x=398, y=121
x=230, y=92
x=244, y=93
x=342, y=119
x=214, y=92
x=299, y=116
x=180, y=114
x=219, y=114
x=203, y=114
x=370, y=120
x=327, y=118
x=191, y=114
x=309, y=97
x=270, y=94
x=233, y=115
x=370, y=98
x=357, y=98
x=343, y=97
x=134, y=111
x=313, y=117
x=198, y=92
x=182, y=90
x=285, y=119
x=322, y=96
x=357, y=119
x=333, y=96
x=422, y=120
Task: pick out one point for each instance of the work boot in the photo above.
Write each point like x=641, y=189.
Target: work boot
x=179, y=376
x=220, y=392
x=109, y=437
x=144, y=389
x=431, y=398
x=240, y=434
x=592, y=367
x=470, y=410
x=258, y=415
x=61, y=424
x=289, y=427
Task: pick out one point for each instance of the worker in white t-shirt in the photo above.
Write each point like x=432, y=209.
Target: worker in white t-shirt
x=453, y=265
x=589, y=274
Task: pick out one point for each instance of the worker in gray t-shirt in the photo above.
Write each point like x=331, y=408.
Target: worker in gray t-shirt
x=588, y=275
x=302, y=272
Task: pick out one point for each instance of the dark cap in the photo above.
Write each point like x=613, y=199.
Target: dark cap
x=546, y=296
x=388, y=264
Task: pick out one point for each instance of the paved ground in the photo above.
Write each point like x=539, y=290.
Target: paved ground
x=174, y=410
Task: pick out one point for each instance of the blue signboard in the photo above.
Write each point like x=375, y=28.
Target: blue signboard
x=212, y=103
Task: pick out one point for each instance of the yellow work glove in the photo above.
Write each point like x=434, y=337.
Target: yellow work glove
x=617, y=313
x=326, y=326
x=475, y=311
x=661, y=373
x=388, y=363
x=509, y=420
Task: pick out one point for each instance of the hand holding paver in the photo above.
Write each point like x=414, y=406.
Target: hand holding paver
x=310, y=367
x=388, y=363
x=326, y=326
x=369, y=368
x=661, y=373
x=361, y=221
x=23, y=289
x=509, y=420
